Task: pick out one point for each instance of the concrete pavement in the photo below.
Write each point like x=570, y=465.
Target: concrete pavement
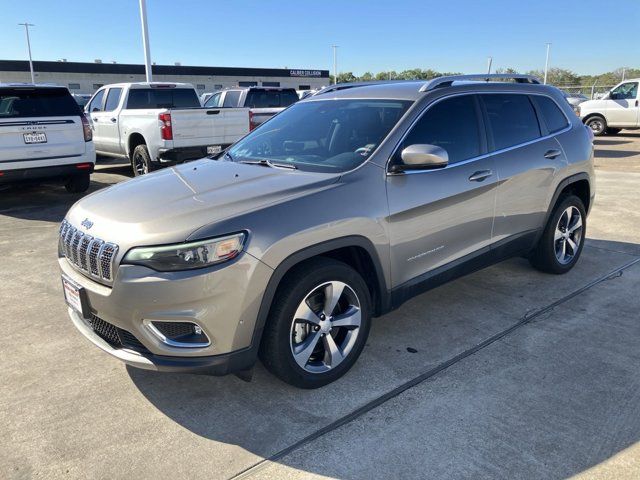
x=554, y=396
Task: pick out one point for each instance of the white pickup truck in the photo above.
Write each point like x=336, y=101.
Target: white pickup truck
x=160, y=124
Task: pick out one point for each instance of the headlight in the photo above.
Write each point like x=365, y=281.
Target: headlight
x=576, y=108
x=187, y=256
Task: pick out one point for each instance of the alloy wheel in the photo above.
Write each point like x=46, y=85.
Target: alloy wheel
x=568, y=235
x=139, y=164
x=325, y=327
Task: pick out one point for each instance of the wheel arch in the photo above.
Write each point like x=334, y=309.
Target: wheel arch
x=589, y=116
x=356, y=251
x=134, y=139
x=579, y=185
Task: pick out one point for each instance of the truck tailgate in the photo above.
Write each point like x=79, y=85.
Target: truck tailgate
x=208, y=126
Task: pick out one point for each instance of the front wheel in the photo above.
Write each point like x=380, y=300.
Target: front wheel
x=318, y=324
x=561, y=243
x=597, y=124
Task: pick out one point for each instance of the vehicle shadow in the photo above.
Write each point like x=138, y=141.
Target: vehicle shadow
x=266, y=415
x=603, y=153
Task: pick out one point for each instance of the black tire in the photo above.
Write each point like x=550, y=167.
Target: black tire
x=141, y=161
x=597, y=124
x=276, y=349
x=613, y=131
x=78, y=183
x=545, y=256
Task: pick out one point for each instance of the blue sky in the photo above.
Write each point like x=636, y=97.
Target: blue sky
x=372, y=35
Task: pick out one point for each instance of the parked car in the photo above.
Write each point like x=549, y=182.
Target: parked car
x=263, y=102
x=617, y=109
x=81, y=99
x=574, y=98
x=160, y=124
x=337, y=210
x=44, y=136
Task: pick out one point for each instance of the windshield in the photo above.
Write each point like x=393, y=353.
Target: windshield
x=322, y=136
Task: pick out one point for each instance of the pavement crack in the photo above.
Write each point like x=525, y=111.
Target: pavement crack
x=380, y=400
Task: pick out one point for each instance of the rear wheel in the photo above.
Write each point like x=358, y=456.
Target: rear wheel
x=141, y=161
x=318, y=324
x=561, y=243
x=78, y=183
x=597, y=124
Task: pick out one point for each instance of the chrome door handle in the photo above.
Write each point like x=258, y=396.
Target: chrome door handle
x=113, y=120
x=552, y=154
x=480, y=175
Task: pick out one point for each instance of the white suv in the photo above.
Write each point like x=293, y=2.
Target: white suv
x=44, y=135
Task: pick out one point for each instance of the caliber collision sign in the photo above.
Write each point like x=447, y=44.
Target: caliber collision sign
x=305, y=73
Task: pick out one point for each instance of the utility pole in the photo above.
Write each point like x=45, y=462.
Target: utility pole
x=489, y=62
x=624, y=70
x=145, y=40
x=335, y=63
x=26, y=28
x=546, y=64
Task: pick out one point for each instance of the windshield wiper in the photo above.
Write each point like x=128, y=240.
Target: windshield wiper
x=269, y=163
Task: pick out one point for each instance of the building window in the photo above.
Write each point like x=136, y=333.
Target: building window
x=74, y=86
x=247, y=84
x=304, y=87
x=270, y=84
x=200, y=86
x=98, y=85
x=217, y=86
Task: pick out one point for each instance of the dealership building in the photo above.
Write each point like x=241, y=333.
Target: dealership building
x=88, y=77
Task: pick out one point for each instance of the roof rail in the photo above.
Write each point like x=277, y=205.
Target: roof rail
x=346, y=85
x=446, y=81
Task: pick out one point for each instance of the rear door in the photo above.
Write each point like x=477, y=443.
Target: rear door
x=439, y=216
x=95, y=110
x=527, y=157
x=109, y=122
x=622, y=105
x=38, y=124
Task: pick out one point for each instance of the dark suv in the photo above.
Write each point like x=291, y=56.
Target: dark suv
x=335, y=211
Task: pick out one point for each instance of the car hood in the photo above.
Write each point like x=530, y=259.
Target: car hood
x=169, y=205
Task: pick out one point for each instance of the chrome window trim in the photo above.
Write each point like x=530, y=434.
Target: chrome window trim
x=484, y=155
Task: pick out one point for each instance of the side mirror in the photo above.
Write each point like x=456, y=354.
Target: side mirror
x=422, y=157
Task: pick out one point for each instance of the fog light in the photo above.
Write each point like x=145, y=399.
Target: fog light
x=197, y=330
x=178, y=334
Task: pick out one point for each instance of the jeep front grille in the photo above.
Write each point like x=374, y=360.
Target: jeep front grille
x=94, y=257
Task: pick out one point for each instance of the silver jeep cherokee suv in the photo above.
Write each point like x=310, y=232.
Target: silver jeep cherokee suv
x=333, y=212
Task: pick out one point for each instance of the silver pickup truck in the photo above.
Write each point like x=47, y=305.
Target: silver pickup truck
x=160, y=124
x=263, y=102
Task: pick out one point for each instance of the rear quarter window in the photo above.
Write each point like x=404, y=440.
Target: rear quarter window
x=512, y=119
x=23, y=103
x=551, y=114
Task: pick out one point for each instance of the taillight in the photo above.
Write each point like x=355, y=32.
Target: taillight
x=252, y=123
x=166, y=132
x=88, y=134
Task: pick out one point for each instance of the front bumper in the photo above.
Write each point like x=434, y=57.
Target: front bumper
x=222, y=300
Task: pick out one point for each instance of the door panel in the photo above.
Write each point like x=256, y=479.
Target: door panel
x=109, y=119
x=96, y=114
x=439, y=216
x=622, y=105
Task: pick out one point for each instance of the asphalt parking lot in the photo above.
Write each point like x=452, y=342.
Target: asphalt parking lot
x=506, y=373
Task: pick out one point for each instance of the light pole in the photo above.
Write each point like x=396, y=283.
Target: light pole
x=489, y=62
x=546, y=64
x=335, y=63
x=145, y=40
x=26, y=29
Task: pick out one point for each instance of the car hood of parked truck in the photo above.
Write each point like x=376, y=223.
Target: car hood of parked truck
x=169, y=205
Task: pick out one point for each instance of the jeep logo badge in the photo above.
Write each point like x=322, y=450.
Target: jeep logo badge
x=86, y=223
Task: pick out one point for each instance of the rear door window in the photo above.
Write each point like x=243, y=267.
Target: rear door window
x=231, y=99
x=553, y=117
x=143, y=98
x=113, y=99
x=40, y=102
x=451, y=124
x=512, y=119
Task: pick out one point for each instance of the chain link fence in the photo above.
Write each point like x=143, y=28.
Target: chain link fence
x=592, y=92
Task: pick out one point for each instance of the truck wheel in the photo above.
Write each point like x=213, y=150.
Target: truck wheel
x=561, y=243
x=141, y=161
x=597, y=124
x=78, y=183
x=613, y=131
x=318, y=323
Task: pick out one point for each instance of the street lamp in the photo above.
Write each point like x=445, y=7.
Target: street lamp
x=489, y=62
x=335, y=63
x=26, y=28
x=546, y=64
x=145, y=40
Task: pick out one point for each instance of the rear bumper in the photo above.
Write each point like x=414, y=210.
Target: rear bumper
x=173, y=156
x=44, y=173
